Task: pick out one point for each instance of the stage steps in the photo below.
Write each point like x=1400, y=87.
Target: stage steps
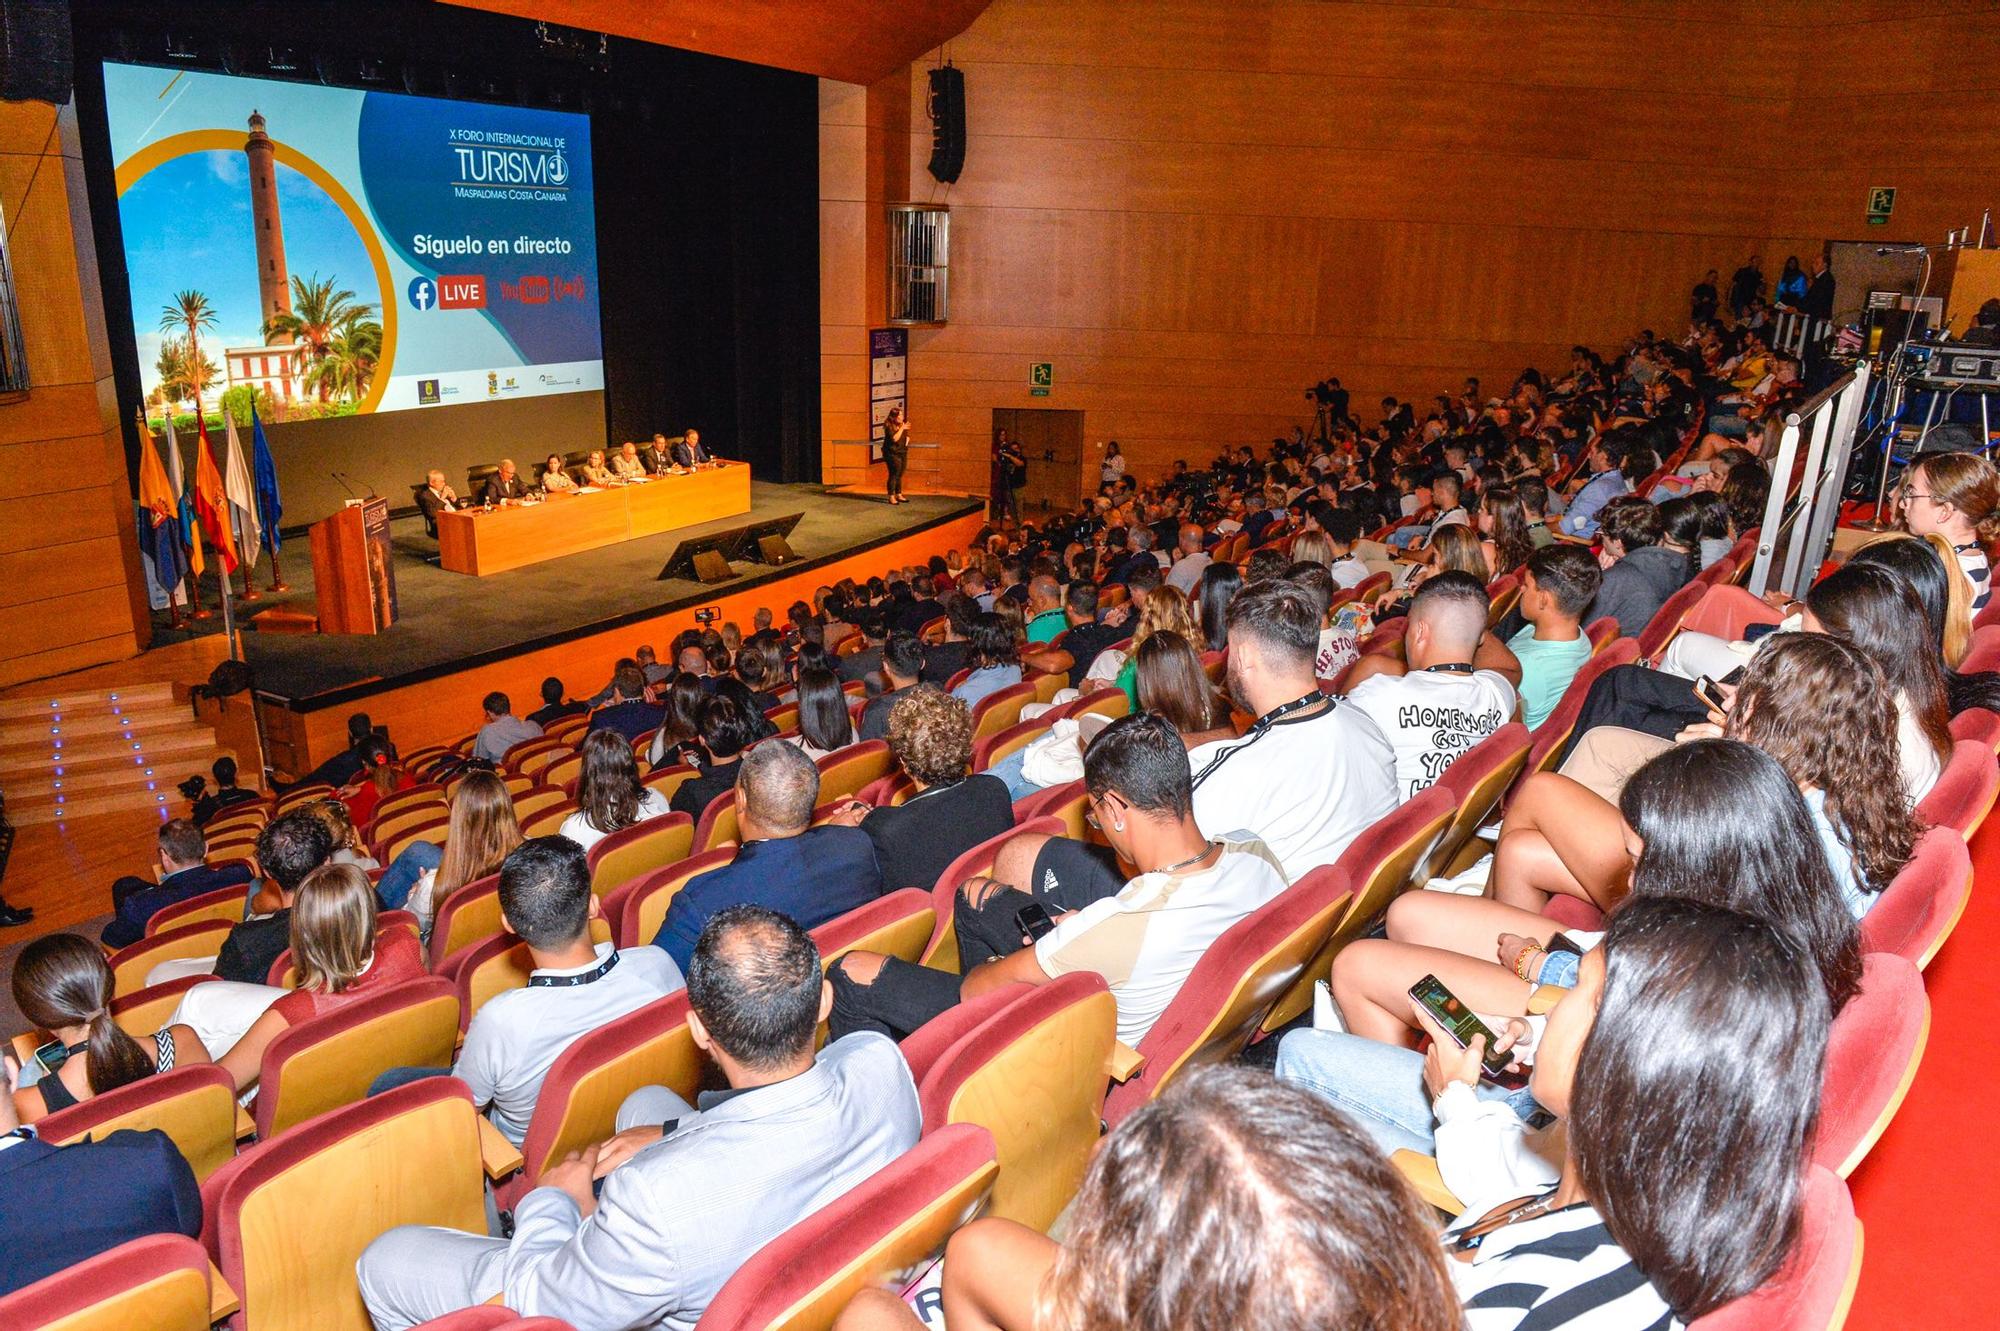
x=89, y=751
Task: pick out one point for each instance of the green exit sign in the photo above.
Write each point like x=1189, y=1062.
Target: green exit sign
x=1041, y=378
x=1881, y=202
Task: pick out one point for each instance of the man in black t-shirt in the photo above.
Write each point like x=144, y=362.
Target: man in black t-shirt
x=288, y=849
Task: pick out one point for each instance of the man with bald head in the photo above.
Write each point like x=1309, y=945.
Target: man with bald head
x=627, y=465
x=1190, y=560
x=505, y=486
x=1455, y=686
x=1045, y=609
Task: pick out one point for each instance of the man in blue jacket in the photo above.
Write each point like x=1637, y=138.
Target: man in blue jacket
x=66, y=1204
x=184, y=873
x=811, y=874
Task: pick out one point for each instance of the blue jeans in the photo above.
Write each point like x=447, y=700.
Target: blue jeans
x=1008, y=769
x=1379, y=1086
x=398, y=1077
x=403, y=872
x=1729, y=425
x=1404, y=537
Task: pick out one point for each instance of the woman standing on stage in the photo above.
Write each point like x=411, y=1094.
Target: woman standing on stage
x=896, y=451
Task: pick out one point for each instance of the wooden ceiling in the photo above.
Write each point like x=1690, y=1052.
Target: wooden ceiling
x=855, y=41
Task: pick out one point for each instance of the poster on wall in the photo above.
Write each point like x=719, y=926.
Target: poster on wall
x=888, y=381
x=381, y=572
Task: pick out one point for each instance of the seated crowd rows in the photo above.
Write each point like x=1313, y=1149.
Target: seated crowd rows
x=1241, y=671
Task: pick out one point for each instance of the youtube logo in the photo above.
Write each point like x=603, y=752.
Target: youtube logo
x=461, y=291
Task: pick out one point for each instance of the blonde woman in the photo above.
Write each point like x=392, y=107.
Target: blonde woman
x=594, y=471
x=348, y=847
x=483, y=829
x=1164, y=610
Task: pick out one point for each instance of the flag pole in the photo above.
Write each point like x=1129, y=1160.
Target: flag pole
x=278, y=583
x=194, y=595
x=228, y=618
x=250, y=593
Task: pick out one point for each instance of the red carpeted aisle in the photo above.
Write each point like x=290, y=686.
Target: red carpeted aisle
x=1930, y=1226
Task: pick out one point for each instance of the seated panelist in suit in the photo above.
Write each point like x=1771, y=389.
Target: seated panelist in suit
x=555, y=476
x=436, y=497
x=656, y=456
x=505, y=485
x=628, y=464
x=595, y=472
x=689, y=452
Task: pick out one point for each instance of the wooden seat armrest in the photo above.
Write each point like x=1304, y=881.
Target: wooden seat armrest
x=222, y=1300
x=1422, y=1173
x=246, y=1126
x=500, y=1156
x=1124, y=1063
x=1544, y=998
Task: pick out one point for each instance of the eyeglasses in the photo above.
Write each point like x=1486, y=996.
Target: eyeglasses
x=1908, y=495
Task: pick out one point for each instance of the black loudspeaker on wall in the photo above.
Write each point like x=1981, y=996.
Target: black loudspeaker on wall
x=35, y=51
x=947, y=123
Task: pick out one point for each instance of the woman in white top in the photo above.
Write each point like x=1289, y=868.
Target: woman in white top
x=608, y=794
x=825, y=725
x=1114, y=465
x=1956, y=495
x=555, y=476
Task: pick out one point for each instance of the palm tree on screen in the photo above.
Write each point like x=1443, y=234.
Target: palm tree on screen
x=191, y=314
x=183, y=373
x=349, y=367
x=319, y=314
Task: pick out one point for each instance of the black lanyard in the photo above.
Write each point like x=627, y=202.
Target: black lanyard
x=1263, y=728
x=1449, y=668
x=591, y=976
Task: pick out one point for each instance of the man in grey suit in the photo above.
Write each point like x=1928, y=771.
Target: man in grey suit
x=689, y=1192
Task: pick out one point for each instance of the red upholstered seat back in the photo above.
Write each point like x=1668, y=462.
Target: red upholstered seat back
x=1871, y=1056
x=1812, y=1291
x=1964, y=790
x=1918, y=909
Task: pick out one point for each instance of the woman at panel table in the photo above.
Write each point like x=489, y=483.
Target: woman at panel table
x=555, y=476
x=594, y=471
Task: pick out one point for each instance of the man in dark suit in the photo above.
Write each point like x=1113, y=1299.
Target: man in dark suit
x=902, y=667
x=66, y=1204
x=689, y=452
x=1818, y=310
x=628, y=712
x=656, y=456
x=436, y=497
x=864, y=664
x=505, y=485
x=811, y=874
x=184, y=873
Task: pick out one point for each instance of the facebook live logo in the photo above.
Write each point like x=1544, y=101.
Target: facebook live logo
x=449, y=291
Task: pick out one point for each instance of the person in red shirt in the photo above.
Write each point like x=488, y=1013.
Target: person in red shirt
x=380, y=776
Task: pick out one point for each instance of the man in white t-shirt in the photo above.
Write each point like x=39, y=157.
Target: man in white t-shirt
x=1313, y=773
x=1455, y=685
x=1191, y=562
x=1143, y=937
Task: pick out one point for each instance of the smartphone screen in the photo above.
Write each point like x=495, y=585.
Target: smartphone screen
x=52, y=1056
x=1458, y=1020
x=1034, y=920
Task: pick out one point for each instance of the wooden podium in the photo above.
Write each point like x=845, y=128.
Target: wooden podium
x=352, y=573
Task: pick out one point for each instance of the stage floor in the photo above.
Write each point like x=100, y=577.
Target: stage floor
x=448, y=622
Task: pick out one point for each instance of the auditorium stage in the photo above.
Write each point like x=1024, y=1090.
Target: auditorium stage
x=457, y=637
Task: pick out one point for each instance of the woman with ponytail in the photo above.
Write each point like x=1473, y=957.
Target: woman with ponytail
x=1956, y=495
x=62, y=984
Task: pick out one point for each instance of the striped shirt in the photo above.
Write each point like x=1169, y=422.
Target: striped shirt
x=1978, y=571
x=1562, y=1269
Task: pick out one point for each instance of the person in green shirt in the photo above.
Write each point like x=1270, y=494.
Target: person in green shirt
x=1559, y=584
x=1045, y=609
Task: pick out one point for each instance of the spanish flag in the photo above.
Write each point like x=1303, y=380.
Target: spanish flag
x=211, y=501
x=159, y=522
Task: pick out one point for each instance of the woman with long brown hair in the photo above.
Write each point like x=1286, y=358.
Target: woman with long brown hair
x=62, y=984
x=679, y=737
x=608, y=794
x=1956, y=495
x=1163, y=611
x=483, y=829
x=1172, y=684
x=1503, y=524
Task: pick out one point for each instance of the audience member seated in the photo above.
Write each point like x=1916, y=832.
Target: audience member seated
x=943, y=660
x=688, y=1192
x=62, y=985
x=1312, y=773
x=381, y=775
x=1639, y=573
x=348, y=847
x=501, y=730
x=902, y=667
x=482, y=831
x=608, y=794
x=504, y=486
x=289, y=848
x=1083, y=639
x=1558, y=585
x=1143, y=937
x=1191, y=559
x=678, y=740
x=825, y=725
x=1307, y=1226
x=1219, y=584
x=1610, y=477
x=556, y=704
x=184, y=872
x=629, y=713
x=1956, y=495
x=808, y=874
x=726, y=728
x=555, y=475
x=1453, y=686
x=655, y=455
x=930, y=735
x=575, y=987
x=226, y=794
x=995, y=660
x=342, y=767
x=1163, y=610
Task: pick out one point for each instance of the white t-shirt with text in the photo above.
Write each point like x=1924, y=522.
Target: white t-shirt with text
x=1432, y=716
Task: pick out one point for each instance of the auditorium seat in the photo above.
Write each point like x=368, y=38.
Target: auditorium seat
x=717, y=823
x=566, y=768
x=893, y=1223
x=548, y=820
x=1048, y=686
x=666, y=780
x=1727, y=612
x=253, y=816
x=1666, y=621
x=427, y=826
x=424, y=794
x=896, y=925
x=1964, y=791
x=976, y=862
x=1501, y=594
x=534, y=800
x=639, y=849
x=1919, y=909
x=144, y=1011
x=1232, y=992
x=1977, y=725
x=1008, y=742
x=570, y=729
x=301, y=795
x=578, y=1104
x=469, y=915
x=848, y=771
x=999, y=710
x=224, y=903
x=237, y=842
x=162, y=1282
x=129, y=965
x=1032, y=1073
x=1872, y=1054
x=195, y=1105
x=1602, y=633
x=1477, y=779
x=1069, y=802
x=1110, y=702
x=1553, y=733
x=331, y=1060
x=784, y=717
x=893, y=789
x=1376, y=867
x=933, y=631
x=1812, y=1291
x=411, y=1156
x=638, y=906
x=492, y=1317
x=533, y=757
x=422, y=761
